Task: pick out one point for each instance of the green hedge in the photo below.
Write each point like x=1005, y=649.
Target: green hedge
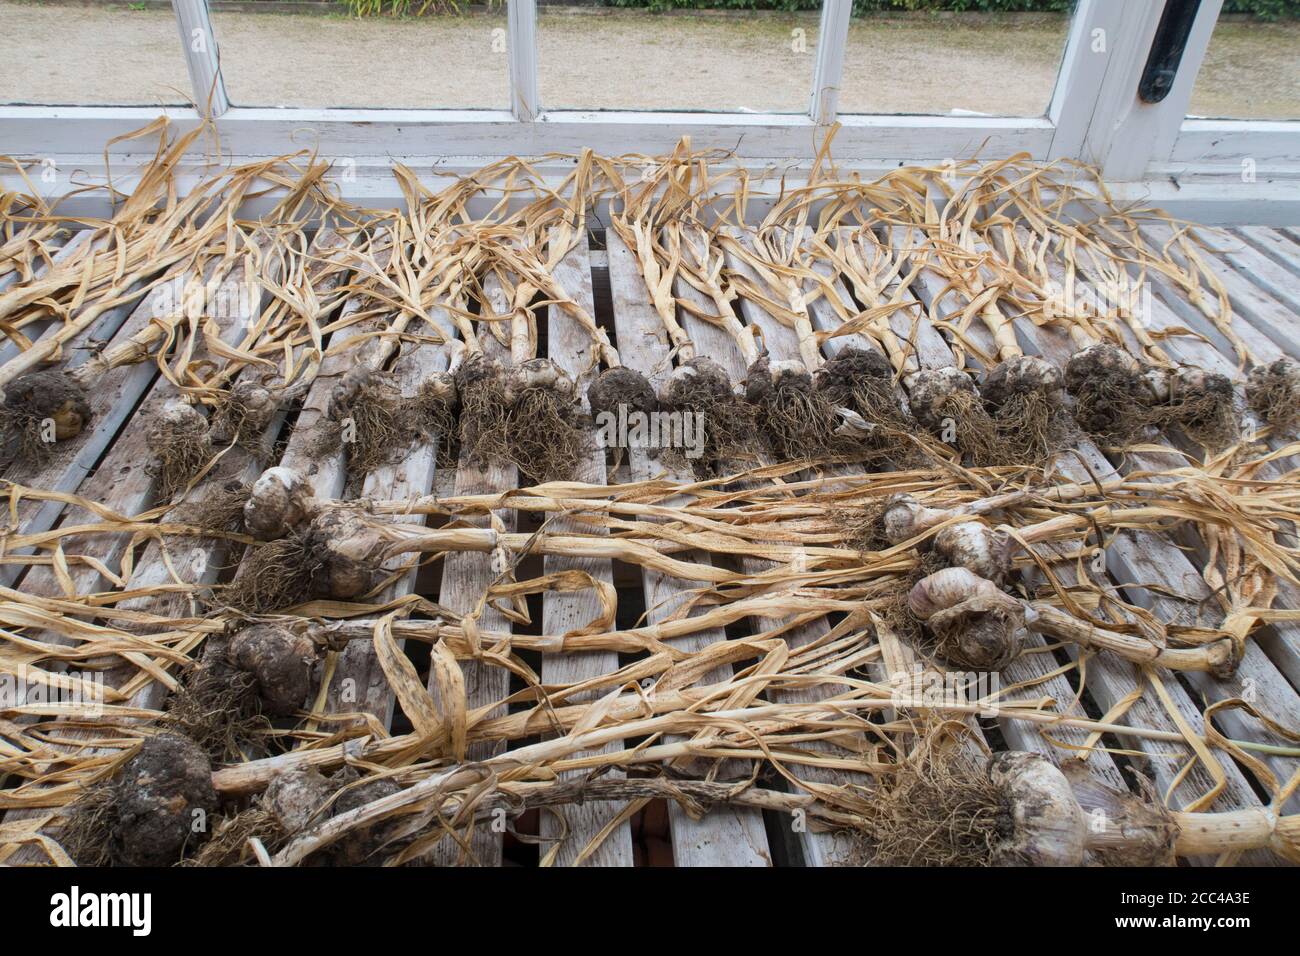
x=1264, y=9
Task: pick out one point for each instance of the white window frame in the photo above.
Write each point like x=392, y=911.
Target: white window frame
x=1145, y=151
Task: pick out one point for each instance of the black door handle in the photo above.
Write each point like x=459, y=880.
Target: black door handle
x=1167, y=49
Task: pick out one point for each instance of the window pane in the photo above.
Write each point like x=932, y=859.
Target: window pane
x=440, y=60
x=1251, y=71
x=90, y=56
x=612, y=59
x=1000, y=64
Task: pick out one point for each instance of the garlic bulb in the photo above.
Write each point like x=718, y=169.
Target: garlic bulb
x=967, y=544
x=621, y=387
x=852, y=369
x=904, y=518
x=933, y=392
x=765, y=377
x=537, y=373
x=438, y=402
x=279, y=500
x=248, y=409
x=295, y=796
x=695, y=382
x=280, y=660
x=1086, y=363
x=975, y=624
x=350, y=550
x=180, y=416
x=975, y=546
x=1026, y=373
x=53, y=395
x=1156, y=381
x=1273, y=392
x=1048, y=826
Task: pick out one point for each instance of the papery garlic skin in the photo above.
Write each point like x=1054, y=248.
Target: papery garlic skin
x=975, y=624
x=351, y=550
x=932, y=390
x=279, y=500
x=968, y=544
x=1049, y=828
x=280, y=660
x=1020, y=375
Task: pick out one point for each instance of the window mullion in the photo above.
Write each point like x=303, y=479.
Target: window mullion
x=1108, y=42
x=522, y=52
x=828, y=71
x=1172, y=110
x=200, y=46
x=1096, y=110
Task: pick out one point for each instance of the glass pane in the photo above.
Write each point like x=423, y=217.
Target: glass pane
x=90, y=56
x=443, y=60
x=1251, y=71
x=612, y=59
x=1002, y=64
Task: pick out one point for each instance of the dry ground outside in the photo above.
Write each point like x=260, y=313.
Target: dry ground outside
x=602, y=59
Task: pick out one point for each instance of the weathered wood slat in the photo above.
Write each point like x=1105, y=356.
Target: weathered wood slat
x=726, y=836
x=1275, y=244
x=1234, y=263
x=466, y=577
x=570, y=347
x=8, y=347
x=1252, y=256
x=819, y=849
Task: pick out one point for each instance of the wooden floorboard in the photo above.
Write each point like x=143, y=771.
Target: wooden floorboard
x=466, y=577
x=726, y=836
x=571, y=348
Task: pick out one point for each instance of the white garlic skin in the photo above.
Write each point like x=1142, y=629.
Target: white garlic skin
x=1049, y=825
x=536, y=373
x=789, y=374
x=181, y=415
x=904, y=518
x=257, y=401
x=1156, y=381
x=976, y=547
x=352, y=549
x=931, y=389
x=279, y=501
x=1021, y=375
x=950, y=587
x=977, y=625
